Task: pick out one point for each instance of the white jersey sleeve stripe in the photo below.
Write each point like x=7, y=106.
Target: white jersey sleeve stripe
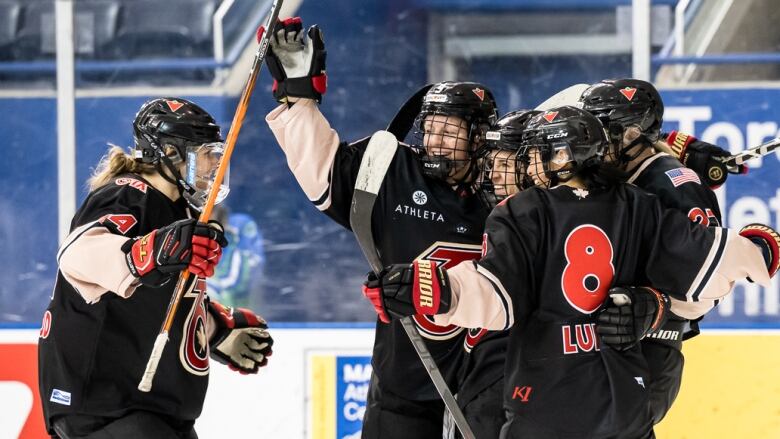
x=710, y=263
x=499, y=289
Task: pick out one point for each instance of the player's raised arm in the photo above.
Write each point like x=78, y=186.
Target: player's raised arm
x=324, y=167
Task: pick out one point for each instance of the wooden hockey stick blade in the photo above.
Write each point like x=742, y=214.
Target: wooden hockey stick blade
x=230, y=142
x=755, y=152
x=567, y=96
x=373, y=168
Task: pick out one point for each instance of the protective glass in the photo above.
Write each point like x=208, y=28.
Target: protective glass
x=202, y=162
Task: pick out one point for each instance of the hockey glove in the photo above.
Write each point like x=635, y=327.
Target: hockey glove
x=157, y=256
x=296, y=61
x=768, y=240
x=242, y=341
x=403, y=290
x=704, y=158
x=629, y=314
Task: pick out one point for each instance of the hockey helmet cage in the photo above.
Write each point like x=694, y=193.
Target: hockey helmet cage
x=502, y=161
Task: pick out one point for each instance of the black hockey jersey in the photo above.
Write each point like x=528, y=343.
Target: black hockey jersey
x=551, y=256
x=678, y=188
x=94, y=347
x=414, y=217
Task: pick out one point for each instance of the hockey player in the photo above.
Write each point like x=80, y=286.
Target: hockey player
x=425, y=210
x=481, y=379
x=632, y=111
x=117, y=271
x=502, y=170
x=549, y=261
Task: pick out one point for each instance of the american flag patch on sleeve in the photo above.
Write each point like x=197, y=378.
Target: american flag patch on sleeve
x=682, y=175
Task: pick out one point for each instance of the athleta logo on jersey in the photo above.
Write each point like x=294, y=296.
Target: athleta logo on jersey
x=419, y=198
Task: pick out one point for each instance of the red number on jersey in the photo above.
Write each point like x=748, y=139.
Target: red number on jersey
x=589, y=272
x=123, y=222
x=704, y=217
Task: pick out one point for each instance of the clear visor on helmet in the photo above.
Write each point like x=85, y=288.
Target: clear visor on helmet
x=549, y=160
x=201, y=164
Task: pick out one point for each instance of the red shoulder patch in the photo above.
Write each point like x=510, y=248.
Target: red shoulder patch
x=132, y=182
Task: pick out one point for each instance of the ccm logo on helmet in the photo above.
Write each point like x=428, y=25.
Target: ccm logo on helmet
x=558, y=135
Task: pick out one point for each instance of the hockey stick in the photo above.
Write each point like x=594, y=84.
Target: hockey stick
x=376, y=159
x=238, y=119
x=765, y=148
x=404, y=119
x=567, y=96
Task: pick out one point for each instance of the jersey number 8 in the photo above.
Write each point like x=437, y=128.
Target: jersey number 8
x=589, y=271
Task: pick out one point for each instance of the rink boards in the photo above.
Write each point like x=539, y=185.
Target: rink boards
x=315, y=387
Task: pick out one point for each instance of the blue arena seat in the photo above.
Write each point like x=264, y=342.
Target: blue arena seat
x=9, y=24
x=96, y=25
x=170, y=28
x=35, y=38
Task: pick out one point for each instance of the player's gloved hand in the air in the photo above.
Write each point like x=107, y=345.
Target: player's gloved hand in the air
x=403, y=290
x=159, y=255
x=702, y=157
x=296, y=60
x=768, y=240
x=629, y=314
x=242, y=340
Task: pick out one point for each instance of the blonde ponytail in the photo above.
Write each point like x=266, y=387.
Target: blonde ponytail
x=116, y=162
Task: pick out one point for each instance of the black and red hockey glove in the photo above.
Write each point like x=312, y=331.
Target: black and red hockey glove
x=242, y=340
x=629, y=314
x=403, y=290
x=156, y=257
x=703, y=158
x=296, y=60
x=768, y=240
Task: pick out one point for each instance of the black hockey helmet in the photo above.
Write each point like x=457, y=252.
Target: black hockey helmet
x=474, y=104
x=171, y=121
x=621, y=103
x=502, y=161
x=183, y=125
x=572, y=139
